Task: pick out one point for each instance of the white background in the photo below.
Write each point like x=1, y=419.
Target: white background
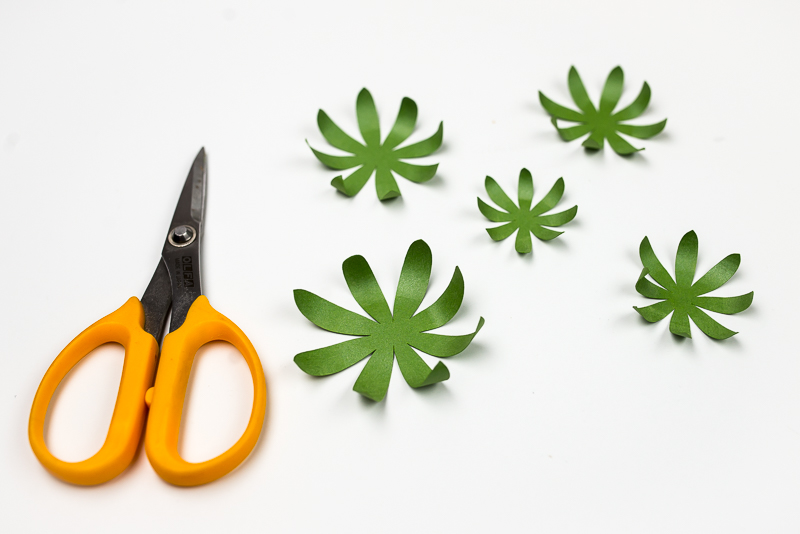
x=567, y=414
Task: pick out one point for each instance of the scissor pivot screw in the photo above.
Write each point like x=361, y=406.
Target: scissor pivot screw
x=181, y=236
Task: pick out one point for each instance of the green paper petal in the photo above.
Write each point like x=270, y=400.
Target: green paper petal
x=594, y=142
x=560, y=112
x=336, y=136
x=330, y=360
x=331, y=317
x=573, y=132
x=440, y=312
x=717, y=275
x=423, y=148
x=493, y=214
x=416, y=371
x=726, y=305
x=612, y=91
x=544, y=234
x=385, y=184
x=525, y=190
x=415, y=173
x=499, y=196
x=355, y=182
x=686, y=260
x=655, y=312
x=404, y=125
x=642, y=132
x=654, y=267
x=620, y=145
x=557, y=219
x=648, y=289
x=679, y=324
x=578, y=91
x=414, y=278
x=337, y=162
x=499, y=233
x=443, y=346
x=709, y=326
x=373, y=382
x=636, y=107
x=523, y=243
x=550, y=199
x=365, y=289
x=367, y=117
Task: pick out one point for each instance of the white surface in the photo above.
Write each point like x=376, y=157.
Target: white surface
x=567, y=414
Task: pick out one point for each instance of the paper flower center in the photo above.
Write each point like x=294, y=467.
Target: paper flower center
x=397, y=330
x=379, y=154
x=681, y=298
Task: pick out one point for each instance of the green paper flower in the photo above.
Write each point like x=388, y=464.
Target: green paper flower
x=602, y=123
x=528, y=221
x=391, y=333
x=382, y=159
x=681, y=297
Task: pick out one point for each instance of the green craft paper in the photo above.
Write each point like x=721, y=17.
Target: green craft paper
x=382, y=159
x=601, y=122
x=390, y=333
x=528, y=221
x=682, y=298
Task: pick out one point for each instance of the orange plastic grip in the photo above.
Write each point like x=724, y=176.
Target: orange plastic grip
x=124, y=326
x=203, y=324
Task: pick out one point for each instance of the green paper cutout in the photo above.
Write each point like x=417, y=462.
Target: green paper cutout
x=389, y=333
x=382, y=159
x=528, y=221
x=602, y=123
x=682, y=298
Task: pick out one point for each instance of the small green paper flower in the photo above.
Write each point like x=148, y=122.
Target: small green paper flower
x=383, y=159
x=528, y=221
x=391, y=333
x=682, y=298
x=602, y=123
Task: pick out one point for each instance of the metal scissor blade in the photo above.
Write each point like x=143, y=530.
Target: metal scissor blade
x=181, y=253
x=192, y=201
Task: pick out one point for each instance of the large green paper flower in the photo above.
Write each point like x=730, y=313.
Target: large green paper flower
x=391, y=333
x=683, y=298
x=602, y=123
x=524, y=218
x=382, y=159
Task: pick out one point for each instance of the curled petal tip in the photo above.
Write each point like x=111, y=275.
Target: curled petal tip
x=392, y=193
x=338, y=183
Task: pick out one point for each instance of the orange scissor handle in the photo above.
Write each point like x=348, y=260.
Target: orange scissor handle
x=124, y=326
x=203, y=324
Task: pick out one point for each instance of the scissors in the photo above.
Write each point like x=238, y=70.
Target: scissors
x=138, y=327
